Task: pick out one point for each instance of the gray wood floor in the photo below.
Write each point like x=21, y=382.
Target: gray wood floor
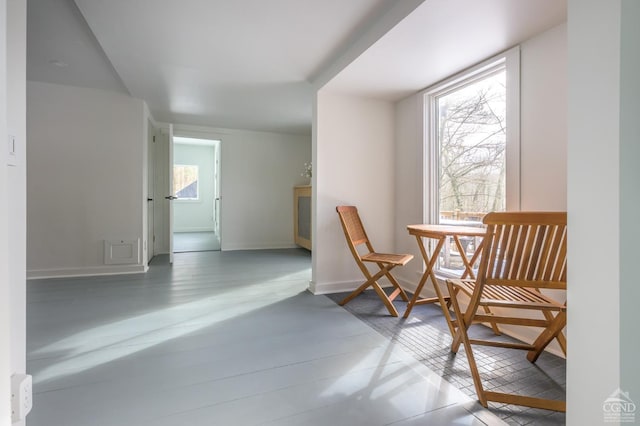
x=221, y=338
x=195, y=241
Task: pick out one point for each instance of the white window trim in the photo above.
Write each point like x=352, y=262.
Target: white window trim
x=511, y=59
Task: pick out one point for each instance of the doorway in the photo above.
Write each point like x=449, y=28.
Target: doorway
x=196, y=186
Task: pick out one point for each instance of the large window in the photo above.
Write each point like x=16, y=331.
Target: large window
x=472, y=147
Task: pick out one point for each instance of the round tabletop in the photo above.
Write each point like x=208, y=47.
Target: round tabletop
x=437, y=231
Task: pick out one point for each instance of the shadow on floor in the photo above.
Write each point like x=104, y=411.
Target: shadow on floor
x=425, y=335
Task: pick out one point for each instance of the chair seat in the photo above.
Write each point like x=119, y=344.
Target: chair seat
x=393, y=259
x=510, y=297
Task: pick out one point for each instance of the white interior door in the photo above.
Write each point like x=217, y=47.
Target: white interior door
x=217, y=198
x=171, y=195
x=151, y=176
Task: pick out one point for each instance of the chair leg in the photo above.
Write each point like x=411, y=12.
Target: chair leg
x=355, y=293
x=399, y=290
x=550, y=333
x=385, y=299
x=372, y=281
x=462, y=332
x=457, y=337
x=494, y=326
x=526, y=401
x=562, y=340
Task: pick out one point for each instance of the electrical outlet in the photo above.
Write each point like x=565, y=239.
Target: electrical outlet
x=21, y=396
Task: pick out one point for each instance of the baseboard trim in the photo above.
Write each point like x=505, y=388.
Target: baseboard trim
x=90, y=271
x=334, y=287
x=259, y=247
x=338, y=287
x=238, y=248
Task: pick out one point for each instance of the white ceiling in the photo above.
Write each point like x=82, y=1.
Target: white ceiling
x=57, y=33
x=250, y=64
x=442, y=37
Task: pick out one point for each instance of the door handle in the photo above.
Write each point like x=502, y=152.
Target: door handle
x=170, y=198
x=149, y=199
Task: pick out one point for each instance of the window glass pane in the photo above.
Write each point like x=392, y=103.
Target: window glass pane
x=469, y=126
x=471, y=149
x=185, y=182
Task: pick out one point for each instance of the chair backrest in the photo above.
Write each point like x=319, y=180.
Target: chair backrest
x=525, y=249
x=353, y=229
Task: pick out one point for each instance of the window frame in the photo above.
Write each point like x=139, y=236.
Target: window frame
x=510, y=61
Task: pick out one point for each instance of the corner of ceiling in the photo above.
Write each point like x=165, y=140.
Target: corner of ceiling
x=363, y=40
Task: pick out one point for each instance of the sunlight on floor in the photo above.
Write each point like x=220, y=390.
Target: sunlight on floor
x=100, y=345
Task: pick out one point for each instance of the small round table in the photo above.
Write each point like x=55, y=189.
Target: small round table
x=440, y=233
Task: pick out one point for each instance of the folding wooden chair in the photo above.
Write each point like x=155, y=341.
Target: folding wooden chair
x=523, y=253
x=356, y=236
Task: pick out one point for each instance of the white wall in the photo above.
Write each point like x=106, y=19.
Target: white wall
x=195, y=215
x=258, y=173
x=86, y=180
x=12, y=191
x=603, y=120
x=5, y=302
x=629, y=198
x=543, y=121
x=17, y=177
x=409, y=181
x=354, y=164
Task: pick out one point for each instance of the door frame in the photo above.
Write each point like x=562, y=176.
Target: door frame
x=164, y=182
x=217, y=196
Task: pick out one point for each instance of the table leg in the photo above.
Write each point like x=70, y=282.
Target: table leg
x=443, y=302
x=429, y=264
x=468, y=272
x=468, y=264
x=429, y=273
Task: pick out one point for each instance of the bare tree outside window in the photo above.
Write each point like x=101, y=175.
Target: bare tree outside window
x=185, y=182
x=471, y=158
x=472, y=142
